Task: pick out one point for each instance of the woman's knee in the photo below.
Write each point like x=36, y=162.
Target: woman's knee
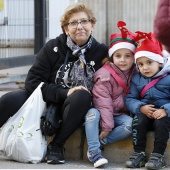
x=92, y=115
x=10, y=103
x=77, y=105
x=81, y=97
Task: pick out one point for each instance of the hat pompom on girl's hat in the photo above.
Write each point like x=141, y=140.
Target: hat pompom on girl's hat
x=126, y=39
x=151, y=48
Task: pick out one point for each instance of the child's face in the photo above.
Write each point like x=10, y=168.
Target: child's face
x=123, y=59
x=148, y=67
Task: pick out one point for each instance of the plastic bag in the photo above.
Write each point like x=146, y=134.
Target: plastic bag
x=21, y=137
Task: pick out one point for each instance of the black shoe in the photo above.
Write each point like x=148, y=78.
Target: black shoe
x=156, y=161
x=137, y=160
x=55, y=154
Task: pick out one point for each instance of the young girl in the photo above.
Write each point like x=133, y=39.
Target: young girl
x=149, y=101
x=108, y=96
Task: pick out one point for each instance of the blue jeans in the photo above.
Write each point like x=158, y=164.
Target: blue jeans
x=122, y=129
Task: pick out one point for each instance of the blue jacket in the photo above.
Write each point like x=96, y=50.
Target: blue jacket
x=158, y=95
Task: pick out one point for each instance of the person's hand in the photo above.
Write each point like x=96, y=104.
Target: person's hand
x=148, y=110
x=103, y=134
x=74, y=89
x=159, y=113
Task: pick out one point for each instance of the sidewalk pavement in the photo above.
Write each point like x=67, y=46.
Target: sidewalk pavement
x=70, y=164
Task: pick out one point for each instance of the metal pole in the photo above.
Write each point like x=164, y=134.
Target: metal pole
x=40, y=24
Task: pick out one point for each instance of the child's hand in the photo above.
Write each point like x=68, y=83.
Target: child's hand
x=160, y=113
x=103, y=134
x=148, y=110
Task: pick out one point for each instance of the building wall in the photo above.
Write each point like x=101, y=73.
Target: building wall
x=17, y=37
x=138, y=15
x=16, y=28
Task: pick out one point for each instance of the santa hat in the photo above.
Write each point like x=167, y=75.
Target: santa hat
x=151, y=48
x=126, y=39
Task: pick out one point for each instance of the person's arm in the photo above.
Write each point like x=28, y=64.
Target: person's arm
x=41, y=72
x=103, y=102
x=132, y=100
x=167, y=108
x=162, y=23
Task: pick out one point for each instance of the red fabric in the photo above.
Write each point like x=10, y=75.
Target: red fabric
x=150, y=44
x=162, y=23
x=125, y=34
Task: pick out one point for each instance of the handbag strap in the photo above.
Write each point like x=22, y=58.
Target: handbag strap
x=117, y=78
x=151, y=84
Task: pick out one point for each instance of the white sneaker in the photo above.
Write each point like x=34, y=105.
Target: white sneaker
x=100, y=162
x=97, y=158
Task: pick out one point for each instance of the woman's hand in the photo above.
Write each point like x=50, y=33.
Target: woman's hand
x=74, y=89
x=103, y=134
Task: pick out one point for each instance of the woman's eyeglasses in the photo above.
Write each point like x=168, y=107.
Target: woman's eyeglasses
x=83, y=22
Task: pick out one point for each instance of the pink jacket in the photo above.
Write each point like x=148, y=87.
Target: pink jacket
x=162, y=23
x=108, y=96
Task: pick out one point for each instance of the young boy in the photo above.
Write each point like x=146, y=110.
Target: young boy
x=151, y=106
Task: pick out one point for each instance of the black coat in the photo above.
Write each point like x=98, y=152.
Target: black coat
x=48, y=62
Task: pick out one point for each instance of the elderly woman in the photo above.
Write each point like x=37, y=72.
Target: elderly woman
x=66, y=65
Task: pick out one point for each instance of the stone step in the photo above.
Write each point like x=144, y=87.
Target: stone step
x=119, y=152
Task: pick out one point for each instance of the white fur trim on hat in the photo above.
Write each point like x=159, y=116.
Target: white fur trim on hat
x=150, y=55
x=120, y=45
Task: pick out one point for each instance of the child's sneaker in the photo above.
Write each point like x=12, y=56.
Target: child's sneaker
x=156, y=161
x=137, y=160
x=97, y=158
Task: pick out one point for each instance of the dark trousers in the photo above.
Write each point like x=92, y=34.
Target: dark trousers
x=10, y=103
x=142, y=124
x=73, y=111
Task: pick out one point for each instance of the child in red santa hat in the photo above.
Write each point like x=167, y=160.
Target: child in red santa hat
x=111, y=84
x=149, y=101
